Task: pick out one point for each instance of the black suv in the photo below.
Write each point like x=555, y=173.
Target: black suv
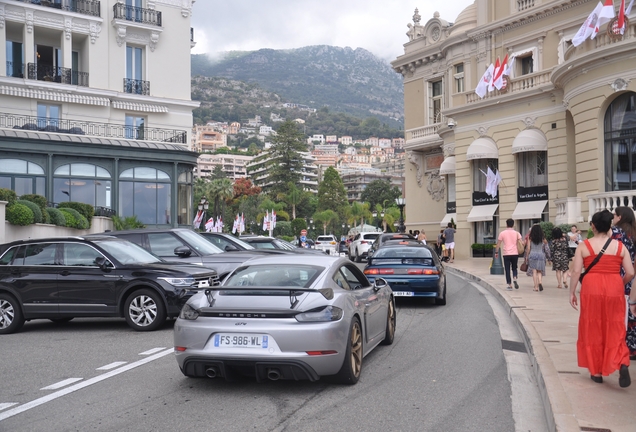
x=94, y=276
x=183, y=244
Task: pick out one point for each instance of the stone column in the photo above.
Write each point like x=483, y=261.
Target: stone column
x=3, y=209
x=3, y=41
x=29, y=42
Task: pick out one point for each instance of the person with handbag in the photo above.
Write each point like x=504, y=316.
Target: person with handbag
x=601, y=344
x=560, y=256
x=512, y=247
x=537, y=254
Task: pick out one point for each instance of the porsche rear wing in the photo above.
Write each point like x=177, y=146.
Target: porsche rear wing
x=293, y=293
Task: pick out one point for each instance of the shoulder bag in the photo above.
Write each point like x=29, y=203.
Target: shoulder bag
x=520, y=247
x=598, y=257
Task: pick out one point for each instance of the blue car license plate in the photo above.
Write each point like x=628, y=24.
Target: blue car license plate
x=403, y=293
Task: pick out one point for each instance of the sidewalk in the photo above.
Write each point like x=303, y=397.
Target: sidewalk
x=548, y=323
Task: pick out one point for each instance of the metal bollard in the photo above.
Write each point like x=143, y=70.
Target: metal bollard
x=496, y=267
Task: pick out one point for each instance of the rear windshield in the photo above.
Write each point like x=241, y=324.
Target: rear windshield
x=325, y=238
x=403, y=252
x=371, y=236
x=282, y=275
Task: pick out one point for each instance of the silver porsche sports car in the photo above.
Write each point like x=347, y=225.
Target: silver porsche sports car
x=286, y=317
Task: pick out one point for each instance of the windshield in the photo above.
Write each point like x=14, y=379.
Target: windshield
x=127, y=252
x=197, y=242
x=402, y=252
x=301, y=276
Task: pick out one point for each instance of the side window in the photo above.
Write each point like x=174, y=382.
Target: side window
x=341, y=280
x=355, y=279
x=135, y=238
x=218, y=242
x=40, y=254
x=78, y=254
x=8, y=256
x=163, y=244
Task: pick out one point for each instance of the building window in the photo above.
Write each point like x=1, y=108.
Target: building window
x=48, y=117
x=620, y=144
x=22, y=177
x=134, y=127
x=435, y=107
x=81, y=182
x=480, y=169
x=146, y=193
x=450, y=188
x=15, y=61
x=184, y=198
x=532, y=169
x=459, y=78
x=134, y=62
x=526, y=65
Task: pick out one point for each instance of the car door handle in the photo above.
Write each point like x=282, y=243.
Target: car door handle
x=65, y=273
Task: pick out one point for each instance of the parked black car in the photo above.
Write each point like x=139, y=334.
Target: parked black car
x=182, y=244
x=229, y=243
x=101, y=276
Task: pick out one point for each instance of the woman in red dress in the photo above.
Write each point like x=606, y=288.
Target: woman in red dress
x=601, y=343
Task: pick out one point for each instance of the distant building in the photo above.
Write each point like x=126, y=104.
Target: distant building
x=265, y=130
x=234, y=166
x=331, y=139
x=234, y=128
x=346, y=140
x=316, y=138
x=257, y=172
x=355, y=182
x=398, y=143
x=207, y=139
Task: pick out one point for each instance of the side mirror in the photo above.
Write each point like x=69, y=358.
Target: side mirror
x=103, y=263
x=379, y=283
x=182, y=251
x=230, y=248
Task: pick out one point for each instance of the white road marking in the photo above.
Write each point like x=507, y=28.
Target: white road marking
x=152, y=351
x=7, y=405
x=61, y=384
x=58, y=394
x=111, y=365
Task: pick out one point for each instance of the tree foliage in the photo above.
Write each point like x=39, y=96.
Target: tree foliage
x=244, y=187
x=332, y=194
x=286, y=162
x=380, y=192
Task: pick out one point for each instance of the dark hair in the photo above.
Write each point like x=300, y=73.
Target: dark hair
x=602, y=220
x=557, y=233
x=510, y=223
x=536, y=234
x=450, y=225
x=627, y=222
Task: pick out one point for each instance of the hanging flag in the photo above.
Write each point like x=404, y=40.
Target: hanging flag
x=235, y=226
x=218, y=226
x=498, y=80
x=495, y=185
x=491, y=84
x=604, y=16
x=628, y=10
x=196, y=223
x=242, y=224
x=587, y=28
x=209, y=225
x=482, y=87
x=273, y=219
x=490, y=179
x=266, y=221
x=622, y=12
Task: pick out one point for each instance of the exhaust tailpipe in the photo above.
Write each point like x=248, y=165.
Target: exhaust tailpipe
x=273, y=374
x=211, y=372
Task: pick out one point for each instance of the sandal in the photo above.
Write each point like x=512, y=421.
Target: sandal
x=565, y=284
x=559, y=286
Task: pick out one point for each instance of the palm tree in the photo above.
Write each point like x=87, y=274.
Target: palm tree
x=365, y=213
x=294, y=197
x=391, y=214
x=225, y=191
x=325, y=217
x=355, y=213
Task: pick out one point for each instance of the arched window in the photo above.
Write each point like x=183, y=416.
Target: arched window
x=145, y=192
x=620, y=143
x=82, y=182
x=22, y=176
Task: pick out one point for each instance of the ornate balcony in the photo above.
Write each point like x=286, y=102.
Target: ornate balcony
x=568, y=211
x=81, y=127
x=134, y=86
x=85, y=7
x=137, y=14
x=611, y=200
x=515, y=85
x=57, y=74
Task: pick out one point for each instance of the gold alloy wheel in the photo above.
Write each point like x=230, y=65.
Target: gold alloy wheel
x=391, y=320
x=356, y=349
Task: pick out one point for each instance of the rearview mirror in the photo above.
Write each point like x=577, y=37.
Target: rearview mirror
x=379, y=283
x=103, y=263
x=182, y=251
x=230, y=248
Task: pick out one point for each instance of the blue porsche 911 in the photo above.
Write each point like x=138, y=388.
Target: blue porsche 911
x=412, y=269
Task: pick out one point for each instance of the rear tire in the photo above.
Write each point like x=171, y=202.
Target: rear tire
x=358, y=257
x=390, y=324
x=352, y=366
x=11, y=318
x=144, y=310
x=442, y=301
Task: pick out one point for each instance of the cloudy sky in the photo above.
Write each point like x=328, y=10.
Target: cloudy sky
x=378, y=26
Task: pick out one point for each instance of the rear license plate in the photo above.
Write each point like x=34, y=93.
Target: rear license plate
x=240, y=340
x=403, y=294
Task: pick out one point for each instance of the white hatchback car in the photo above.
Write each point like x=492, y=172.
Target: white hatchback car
x=327, y=243
x=360, y=245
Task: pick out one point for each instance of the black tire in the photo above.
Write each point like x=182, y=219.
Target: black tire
x=390, y=324
x=350, y=257
x=60, y=320
x=442, y=301
x=352, y=366
x=358, y=257
x=11, y=318
x=144, y=310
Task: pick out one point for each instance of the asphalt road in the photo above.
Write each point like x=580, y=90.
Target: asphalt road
x=446, y=371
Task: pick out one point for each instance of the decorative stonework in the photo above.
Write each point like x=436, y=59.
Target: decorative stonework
x=482, y=131
x=619, y=84
x=95, y=30
x=29, y=21
x=416, y=159
x=529, y=121
x=435, y=185
x=448, y=149
x=68, y=28
x=121, y=34
x=154, y=38
x=1, y=16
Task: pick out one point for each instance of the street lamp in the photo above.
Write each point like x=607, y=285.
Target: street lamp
x=203, y=205
x=401, y=202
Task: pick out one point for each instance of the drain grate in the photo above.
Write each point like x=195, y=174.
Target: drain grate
x=591, y=429
x=569, y=372
x=536, y=321
x=553, y=341
x=513, y=346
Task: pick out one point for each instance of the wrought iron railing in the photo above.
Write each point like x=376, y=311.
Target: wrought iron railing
x=56, y=74
x=15, y=70
x=104, y=211
x=84, y=7
x=137, y=14
x=81, y=127
x=134, y=86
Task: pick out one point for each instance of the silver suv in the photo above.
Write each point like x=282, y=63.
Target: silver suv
x=359, y=247
x=327, y=243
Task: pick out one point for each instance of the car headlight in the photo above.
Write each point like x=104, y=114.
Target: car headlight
x=188, y=313
x=179, y=282
x=325, y=313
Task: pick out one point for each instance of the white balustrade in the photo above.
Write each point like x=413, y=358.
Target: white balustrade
x=611, y=200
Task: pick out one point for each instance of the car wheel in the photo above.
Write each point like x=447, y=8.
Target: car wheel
x=350, y=257
x=352, y=366
x=11, y=318
x=390, y=324
x=60, y=320
x=442, y=301
x=358, y=257
x=144, y=310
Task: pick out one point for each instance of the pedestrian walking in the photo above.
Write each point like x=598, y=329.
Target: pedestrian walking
x=509, y=237
x=601, y=344
x=449, y=241
x=624, y=230
x=574, y=238
x=422, y=237
x=560, y=256
x=537, y=254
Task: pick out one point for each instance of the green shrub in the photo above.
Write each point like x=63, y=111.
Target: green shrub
x=477, y=247
x=37, y=213
x=129, y=222
x=74, y=219
x=56, y=217
x=86, y=210
x=546, y=227
x=298, y=225
x=288, y=238
x=8, y=195
x=41, y=202
x=283, y=228
x=19, y=214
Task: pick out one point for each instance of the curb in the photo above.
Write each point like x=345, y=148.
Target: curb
x=556, y=405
